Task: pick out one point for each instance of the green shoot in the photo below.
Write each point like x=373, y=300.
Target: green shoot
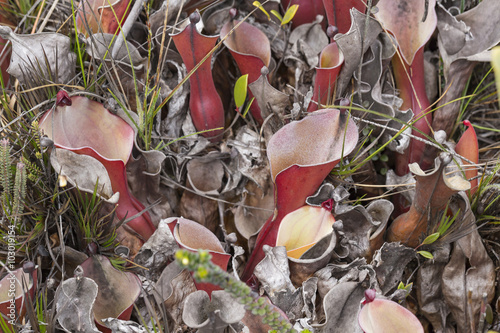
x=240, y=91
x=426, y=254
x=259, y=5
x=290, y=13
x=495, y=62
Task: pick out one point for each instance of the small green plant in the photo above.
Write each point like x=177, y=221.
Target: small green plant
x=442, y=228
x=240, y=95
x=91, y=224
x=205, y=271
x=285, y=19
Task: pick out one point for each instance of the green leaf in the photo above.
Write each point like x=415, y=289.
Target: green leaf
x=275, y=13
x=290, y=13
x=259, y=5
x=248, y=107
x=431, y=238
x=401, y=285
x=240, y=90
x=426, y=254
x=495, y=63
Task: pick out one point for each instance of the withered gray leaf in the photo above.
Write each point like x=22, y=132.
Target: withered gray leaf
x=205, y=175
x=171, y=289
x=361, y=232
x=74, y=300
x=332, y=274
x=354, y=44
x=101, y=45
x=309, y=289
x=173, y=74
x=270, y=100
x=212, y=315
x=429, y=288
x=251, y=157
x=249, y=220
x=157, y=251
x=371, y=86
x=124, y=326
x=344, y=285
x=216, y=16
x=31, y=53
x=464, y=287
x=341, y=306
x=389, y=263
x=273, y=271
x=305, y=44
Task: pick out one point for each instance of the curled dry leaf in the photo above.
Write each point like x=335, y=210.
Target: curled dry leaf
x=158, y=251
x=217, y=15
x=121, y=67
x=212, y=314
x=304, y=45
x=274, y=275
x=382, y=315
x=270, y=100
x=171, y=289
x=389, y=263
x=94, y=16
x=252, y=163
x=74, y=300
x=354, y=44
x=124, y=326
x=363, y=228
x=117, y=290
x=374, y=91
x=40, y=55
x=429, y=289
x=86, y=127
x=273, y=271
x=343, y=297
x=467, y=279
x=203, y=177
